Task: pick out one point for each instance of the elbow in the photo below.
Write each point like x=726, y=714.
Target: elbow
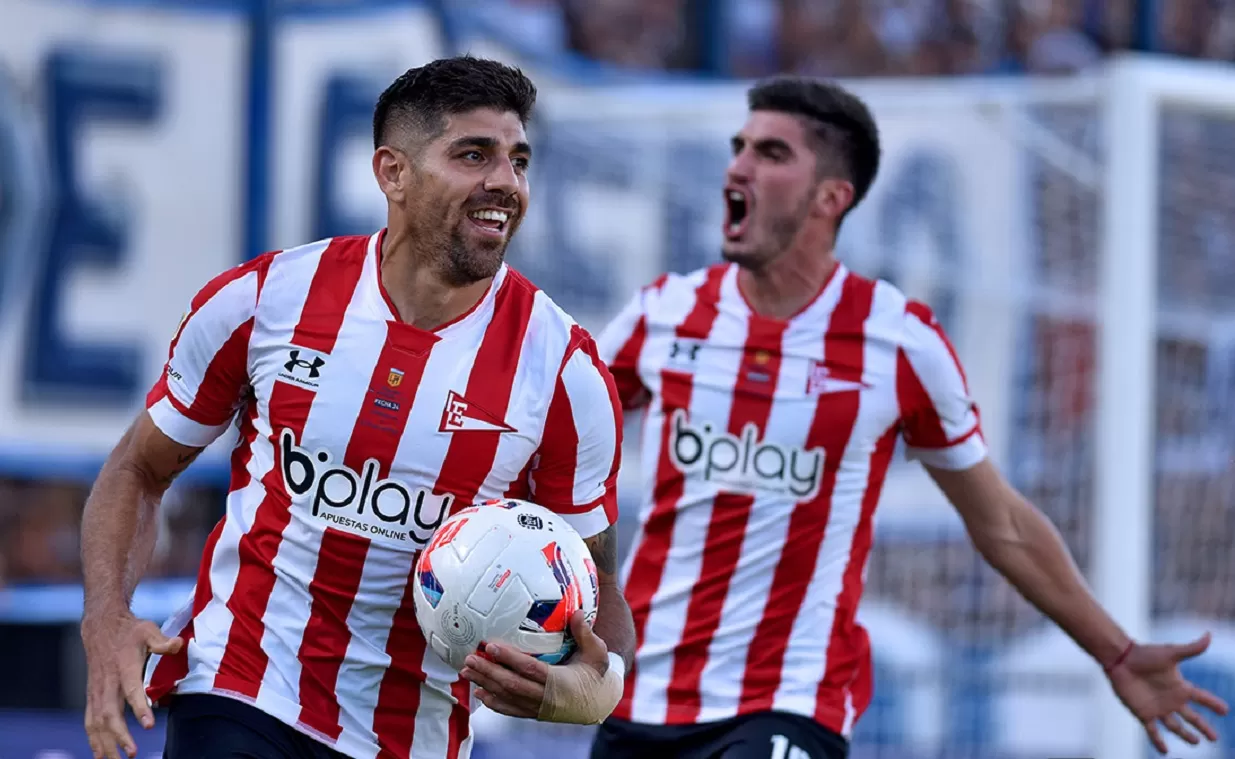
x=128, y=471
x=1025, y=539
x=998, y=540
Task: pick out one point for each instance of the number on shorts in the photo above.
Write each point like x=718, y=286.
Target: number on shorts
x=783, y=749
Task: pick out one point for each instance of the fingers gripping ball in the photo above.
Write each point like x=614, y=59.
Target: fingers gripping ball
x=506, y=571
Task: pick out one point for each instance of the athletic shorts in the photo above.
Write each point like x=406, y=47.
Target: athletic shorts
x=201, y=726
x=766, y=735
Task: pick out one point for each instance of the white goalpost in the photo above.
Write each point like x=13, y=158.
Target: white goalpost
x=1136, y=91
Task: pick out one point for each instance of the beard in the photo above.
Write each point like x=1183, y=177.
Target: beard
x=469, y=261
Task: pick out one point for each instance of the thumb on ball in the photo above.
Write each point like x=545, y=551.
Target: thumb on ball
x=585, y=636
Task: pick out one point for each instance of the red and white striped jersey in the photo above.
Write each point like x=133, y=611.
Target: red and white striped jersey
x=358, y=434
x=764, y=447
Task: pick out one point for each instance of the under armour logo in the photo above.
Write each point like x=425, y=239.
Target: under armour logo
x=296, y=362
x=692, y=348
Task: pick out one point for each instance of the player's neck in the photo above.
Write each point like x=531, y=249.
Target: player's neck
x=421, y=296
x=786, y=286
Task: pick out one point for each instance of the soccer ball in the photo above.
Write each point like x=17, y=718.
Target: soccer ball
x=505, y=571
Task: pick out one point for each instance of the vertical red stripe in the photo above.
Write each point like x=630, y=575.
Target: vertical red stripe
x=831, y=427
x=615, y=406
x=557, y=485
x=471, y=455
x=226, y=376
x=341, y=558
x=460, y=715
x=398, y=699
x=519, y=486
x=172, y=668
x=244, y=662
x=340, y=564
x=242, y=454
x=752, y=405
x=625, y=366
x=652, y=553
x=468, y=461
x=848, y=675
x=923, y=427
x=209, y=290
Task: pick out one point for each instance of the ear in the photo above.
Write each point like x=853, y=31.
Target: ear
x=388, y=166
x=833, y=197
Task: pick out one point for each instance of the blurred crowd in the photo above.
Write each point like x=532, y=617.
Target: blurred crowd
x=750, y=38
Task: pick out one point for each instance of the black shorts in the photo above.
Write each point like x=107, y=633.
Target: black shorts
x=201, y=726
x=766, y=735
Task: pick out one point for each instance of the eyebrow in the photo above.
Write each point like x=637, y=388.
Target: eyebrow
x=763, y=143
x=487, y=143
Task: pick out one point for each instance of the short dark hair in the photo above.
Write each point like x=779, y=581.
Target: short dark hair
x=424, y=97
x=843, y=132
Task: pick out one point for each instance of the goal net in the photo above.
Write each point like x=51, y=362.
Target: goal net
x=1077, y=239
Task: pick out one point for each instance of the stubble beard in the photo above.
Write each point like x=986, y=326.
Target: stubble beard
x=469, y=262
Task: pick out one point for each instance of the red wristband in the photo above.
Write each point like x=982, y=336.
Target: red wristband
x=1119, y=659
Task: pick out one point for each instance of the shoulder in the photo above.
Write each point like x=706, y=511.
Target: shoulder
x=887, y=310
x=674, y=293
x=551, y=331
x=288, y=274
x=350, y=248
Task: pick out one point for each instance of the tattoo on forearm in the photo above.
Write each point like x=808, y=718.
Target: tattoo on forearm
x=182, y=463
x=604, y=550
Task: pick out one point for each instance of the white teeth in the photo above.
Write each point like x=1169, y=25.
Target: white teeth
x=736, y=196
x=499, y=216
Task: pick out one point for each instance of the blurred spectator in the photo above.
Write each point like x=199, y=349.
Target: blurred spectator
x=640, y=34
x=854, y=38
x=40, y=530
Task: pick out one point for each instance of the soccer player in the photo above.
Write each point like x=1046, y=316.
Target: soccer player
x=774, y=387
x=378, y=383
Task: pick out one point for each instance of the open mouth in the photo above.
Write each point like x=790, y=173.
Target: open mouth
x=737, y=211
x=491, y=220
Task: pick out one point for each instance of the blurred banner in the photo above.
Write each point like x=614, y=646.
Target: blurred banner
x=146, y=149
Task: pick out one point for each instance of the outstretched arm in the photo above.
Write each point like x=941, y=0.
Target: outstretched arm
x=942, y=429
x=1017, y=540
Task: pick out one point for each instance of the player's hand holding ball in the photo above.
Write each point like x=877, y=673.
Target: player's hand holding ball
x=584, y=690
x=1147, y=680
x=116, y=649
x=504, y=593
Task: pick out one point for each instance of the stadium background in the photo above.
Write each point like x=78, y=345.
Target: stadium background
x=147, y=144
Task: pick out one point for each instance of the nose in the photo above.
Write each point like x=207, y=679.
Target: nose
x=502, y=178
x=739, y=168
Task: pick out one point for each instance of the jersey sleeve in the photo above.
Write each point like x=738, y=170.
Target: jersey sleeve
x=206, y=373
x=620, y=344
x=940, y=419
x=576, y=467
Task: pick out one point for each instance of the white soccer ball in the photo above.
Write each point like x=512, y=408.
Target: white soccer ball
x=508, y=572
